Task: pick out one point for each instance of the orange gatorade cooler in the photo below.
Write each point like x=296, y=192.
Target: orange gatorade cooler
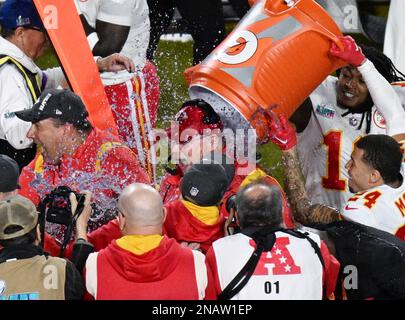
x=277, y=55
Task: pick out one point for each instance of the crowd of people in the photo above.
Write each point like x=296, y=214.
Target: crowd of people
x=83, y=214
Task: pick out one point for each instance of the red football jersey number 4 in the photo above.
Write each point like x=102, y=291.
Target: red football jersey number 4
x=278, y=261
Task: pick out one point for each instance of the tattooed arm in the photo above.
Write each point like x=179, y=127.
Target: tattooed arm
x=303, y=210
x=283, y=134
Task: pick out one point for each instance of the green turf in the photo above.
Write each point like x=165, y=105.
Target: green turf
x=48, y=60
x=171, y=59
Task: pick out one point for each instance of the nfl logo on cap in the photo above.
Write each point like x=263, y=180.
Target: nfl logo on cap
x=194, y=191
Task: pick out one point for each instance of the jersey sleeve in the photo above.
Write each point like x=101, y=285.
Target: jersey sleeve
x=356, y=210
x=117, y=12
x=385, y=98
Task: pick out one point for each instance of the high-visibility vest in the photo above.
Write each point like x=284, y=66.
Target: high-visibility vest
x=31, y=79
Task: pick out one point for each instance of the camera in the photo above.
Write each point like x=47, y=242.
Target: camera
x=232, y=226
x=230, y=203
x=57, y=207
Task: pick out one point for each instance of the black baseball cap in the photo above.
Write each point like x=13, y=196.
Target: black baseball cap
x=204, y=184
x=9, y=173
x=58, y=104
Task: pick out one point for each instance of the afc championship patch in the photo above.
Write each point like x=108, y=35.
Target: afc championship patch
x=325, y=111
x=379, y=120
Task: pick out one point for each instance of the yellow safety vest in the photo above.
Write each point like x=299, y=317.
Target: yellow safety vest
x=31, y=79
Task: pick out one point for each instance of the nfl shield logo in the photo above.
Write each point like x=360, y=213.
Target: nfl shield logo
x=194, y=191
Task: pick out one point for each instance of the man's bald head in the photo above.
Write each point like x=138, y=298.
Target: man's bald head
x=259, y=204
x=141, y=205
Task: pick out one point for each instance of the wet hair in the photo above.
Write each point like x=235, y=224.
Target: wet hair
x=382, y=153
x=387, y=69
x=26, y=239
x=261, y=208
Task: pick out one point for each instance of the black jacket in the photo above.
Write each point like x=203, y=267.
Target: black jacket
x=378, y=256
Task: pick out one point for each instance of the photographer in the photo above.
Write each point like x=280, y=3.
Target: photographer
x=267, y=261
x=27, y=272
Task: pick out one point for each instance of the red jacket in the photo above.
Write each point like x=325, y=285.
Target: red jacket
x=181, y=225
x=101, y=164
x=168, y=272
x=170, y=187
x=99, y=238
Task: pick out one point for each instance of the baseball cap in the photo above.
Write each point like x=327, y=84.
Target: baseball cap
x=9, y=173
x=20, y=13
x=58, y=104
x=19, y=212
x=204, y=184
x=197, y=115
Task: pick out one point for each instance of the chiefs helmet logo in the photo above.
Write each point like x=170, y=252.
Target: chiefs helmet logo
x=379, y=120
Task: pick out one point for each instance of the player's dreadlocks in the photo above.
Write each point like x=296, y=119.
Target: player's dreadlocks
x=387, y=69
x=383, y=64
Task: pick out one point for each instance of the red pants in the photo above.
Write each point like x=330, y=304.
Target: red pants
x=134, y=105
